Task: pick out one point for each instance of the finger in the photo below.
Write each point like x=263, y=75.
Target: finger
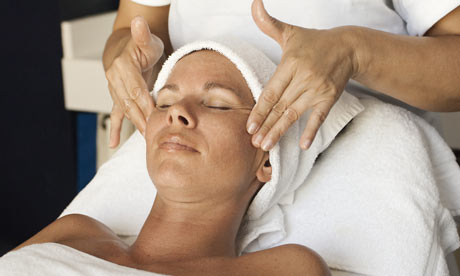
x=269, y=97
x=126, y=104
x=116, y=120
x=268, y=24
x=151, y=46
x=317, y=117
x=138, y=91
x=292, y=92
x=290, y=115
x=134, y=114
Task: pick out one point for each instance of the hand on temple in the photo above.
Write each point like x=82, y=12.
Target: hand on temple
x=129, y=77
x=314, y=69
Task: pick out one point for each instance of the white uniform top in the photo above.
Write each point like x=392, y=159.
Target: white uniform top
x=190, y=20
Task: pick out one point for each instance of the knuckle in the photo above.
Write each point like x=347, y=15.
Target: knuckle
x=126, y=105
x=134, y=93
x=291, y=115
x=270, y=96
x=259, y=114
x=320, y=114
x=279, y=108
x=264, y=129
x=333, y=90
x=292, y=60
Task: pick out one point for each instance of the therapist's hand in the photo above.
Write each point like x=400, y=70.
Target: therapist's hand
x=129, y=77
x=314, y=69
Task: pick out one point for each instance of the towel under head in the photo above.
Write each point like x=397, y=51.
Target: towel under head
x=290, y=165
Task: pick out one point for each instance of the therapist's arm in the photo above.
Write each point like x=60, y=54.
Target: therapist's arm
x=317, y=64
x=132, y=58
x=421, y=71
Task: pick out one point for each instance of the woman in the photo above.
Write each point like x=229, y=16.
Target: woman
x=315, y=64
x=206, y=172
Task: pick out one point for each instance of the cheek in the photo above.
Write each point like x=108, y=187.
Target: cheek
x=231, y=147
x=154, y=124
x=153, y=127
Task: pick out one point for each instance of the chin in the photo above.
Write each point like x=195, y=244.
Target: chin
x=171, y=173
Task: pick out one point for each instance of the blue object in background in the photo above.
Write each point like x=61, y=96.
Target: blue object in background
x=86, y=148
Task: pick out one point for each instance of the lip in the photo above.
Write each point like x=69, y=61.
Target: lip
x=174, y=142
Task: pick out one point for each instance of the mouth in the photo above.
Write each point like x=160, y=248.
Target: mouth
x=174, y=143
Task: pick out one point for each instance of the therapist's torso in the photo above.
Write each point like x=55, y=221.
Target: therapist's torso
x=190, y=20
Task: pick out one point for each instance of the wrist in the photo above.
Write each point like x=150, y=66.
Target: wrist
x=354, y=38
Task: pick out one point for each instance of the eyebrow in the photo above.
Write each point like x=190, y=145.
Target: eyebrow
x=207, y=86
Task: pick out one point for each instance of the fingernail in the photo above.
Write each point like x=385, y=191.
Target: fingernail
x=258, y=140
x=306, y=144
x=252, y=128
x=267, y=145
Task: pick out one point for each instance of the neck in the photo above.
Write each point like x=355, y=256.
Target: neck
x=181, y=231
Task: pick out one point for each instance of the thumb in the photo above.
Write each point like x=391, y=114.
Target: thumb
x=149, y=44
x=268, y=24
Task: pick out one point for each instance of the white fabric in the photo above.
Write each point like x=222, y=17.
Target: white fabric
x=421, y=15
x=412, y=160
x=356, y=178
x=370, y=204
x=192, y=20
x=155, y=3
x=53, y=259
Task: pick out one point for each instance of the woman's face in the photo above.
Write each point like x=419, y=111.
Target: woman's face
x=197, y=144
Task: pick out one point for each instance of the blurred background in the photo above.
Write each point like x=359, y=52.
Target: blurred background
x=53, y=66
x=48, y=152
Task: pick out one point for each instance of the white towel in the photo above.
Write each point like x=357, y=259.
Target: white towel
x=121, y=194
x=371, y=204
x=53, y=259
x=290, y=165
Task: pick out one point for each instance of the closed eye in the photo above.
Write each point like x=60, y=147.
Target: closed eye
x=218, y=107
x=164, y=106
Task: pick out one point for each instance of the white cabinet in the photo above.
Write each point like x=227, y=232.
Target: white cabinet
x=83, y=41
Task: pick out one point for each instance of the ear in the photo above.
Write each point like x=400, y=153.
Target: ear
x=264, y=172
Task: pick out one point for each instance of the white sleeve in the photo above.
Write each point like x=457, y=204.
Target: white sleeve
x=421, y=15
x=153, y=3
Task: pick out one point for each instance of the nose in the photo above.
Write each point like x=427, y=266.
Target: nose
x=181, y=115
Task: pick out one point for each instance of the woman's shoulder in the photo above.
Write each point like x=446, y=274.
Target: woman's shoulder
x=71, y=228
x=289, y=259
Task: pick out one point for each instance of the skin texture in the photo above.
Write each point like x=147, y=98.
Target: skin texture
x=308, y=78
x=206, y=172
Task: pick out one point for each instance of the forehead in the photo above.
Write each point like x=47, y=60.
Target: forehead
x=206, y=66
